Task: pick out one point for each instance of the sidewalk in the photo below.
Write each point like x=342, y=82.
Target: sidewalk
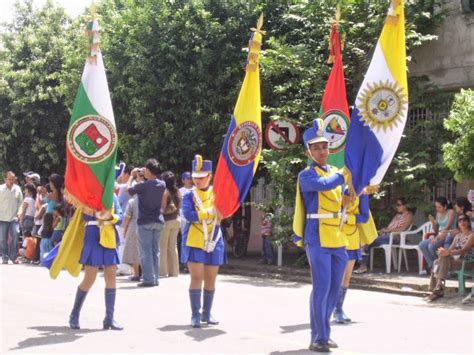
x=403, y=283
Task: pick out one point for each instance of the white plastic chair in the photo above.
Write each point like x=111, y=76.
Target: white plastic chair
x=415, y=240
x=390, y=254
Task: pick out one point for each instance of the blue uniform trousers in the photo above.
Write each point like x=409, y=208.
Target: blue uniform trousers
x=327, y=269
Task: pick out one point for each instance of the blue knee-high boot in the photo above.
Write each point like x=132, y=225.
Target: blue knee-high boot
x=206, y=308
x=195, y=298
x=109, y=321
x=76, y=309
x=339, y=315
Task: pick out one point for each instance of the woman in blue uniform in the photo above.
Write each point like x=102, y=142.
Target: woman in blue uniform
x=101, y=241
x=202, y=242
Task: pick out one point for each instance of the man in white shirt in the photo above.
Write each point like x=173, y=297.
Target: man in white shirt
x=11, y=199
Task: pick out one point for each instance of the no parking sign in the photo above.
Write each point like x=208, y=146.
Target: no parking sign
x=279, y=134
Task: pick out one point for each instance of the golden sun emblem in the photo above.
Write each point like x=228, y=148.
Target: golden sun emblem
x=382, y=104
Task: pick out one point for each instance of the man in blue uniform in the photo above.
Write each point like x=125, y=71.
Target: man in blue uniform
x=317, y=227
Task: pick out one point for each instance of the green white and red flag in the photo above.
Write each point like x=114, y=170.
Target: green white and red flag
x=92, y=137
x=334, y=109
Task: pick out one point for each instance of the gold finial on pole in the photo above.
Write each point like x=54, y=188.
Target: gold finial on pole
x=259, y=26
x=93, y=34
x=93, y=10
x=338, y=13
x=255, y=45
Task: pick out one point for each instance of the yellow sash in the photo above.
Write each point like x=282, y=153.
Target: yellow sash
x=329, y=202
x=195, y=237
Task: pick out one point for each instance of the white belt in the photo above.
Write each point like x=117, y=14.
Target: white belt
x=97, y=223
x=323, y=215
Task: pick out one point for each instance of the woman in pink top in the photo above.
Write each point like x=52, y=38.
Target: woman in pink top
x=399, y=223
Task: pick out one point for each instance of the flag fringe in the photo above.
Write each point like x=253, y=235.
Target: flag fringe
x=73, y=200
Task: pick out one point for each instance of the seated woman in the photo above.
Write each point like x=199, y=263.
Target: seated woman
x=444, y=222
x=452, y=258
x=462, y=206
x=399, y=223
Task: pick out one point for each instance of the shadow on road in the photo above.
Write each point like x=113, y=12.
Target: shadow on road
x=261, y=282
x=293, y=328
x=53, y=335
x=198, y=334
x=290, y=352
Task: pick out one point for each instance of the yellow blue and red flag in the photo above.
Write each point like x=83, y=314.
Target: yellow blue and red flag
x=381, y=106
x=242, y=146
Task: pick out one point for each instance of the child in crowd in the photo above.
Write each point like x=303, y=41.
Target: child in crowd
x=27, y=215
x=267, y=247
x=59, y=224
x=29, y=252
x=46, y=234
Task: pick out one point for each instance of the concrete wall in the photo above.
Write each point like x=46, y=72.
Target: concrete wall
x=448, y=61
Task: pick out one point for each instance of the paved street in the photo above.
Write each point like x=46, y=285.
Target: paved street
x=257, y=316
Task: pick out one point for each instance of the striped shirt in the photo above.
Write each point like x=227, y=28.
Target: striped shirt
x=399, y=220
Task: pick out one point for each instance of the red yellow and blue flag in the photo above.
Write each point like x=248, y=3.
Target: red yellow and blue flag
x=242, y=146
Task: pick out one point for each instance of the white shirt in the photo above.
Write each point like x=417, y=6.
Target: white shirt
x=10, y=202
x=30, y=208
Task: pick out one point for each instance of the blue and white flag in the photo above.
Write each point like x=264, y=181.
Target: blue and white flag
x=381, y=106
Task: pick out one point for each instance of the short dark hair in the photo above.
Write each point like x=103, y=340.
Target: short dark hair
x=128, y=169
x=153, y=166
x=403, y=201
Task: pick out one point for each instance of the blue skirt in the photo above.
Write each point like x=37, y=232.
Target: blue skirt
x=197, y=255
x=354, y=254
x=94, y=254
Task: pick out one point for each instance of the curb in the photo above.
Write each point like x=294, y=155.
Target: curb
x=368, y=282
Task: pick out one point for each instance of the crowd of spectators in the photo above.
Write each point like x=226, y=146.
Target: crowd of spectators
x=33, y=219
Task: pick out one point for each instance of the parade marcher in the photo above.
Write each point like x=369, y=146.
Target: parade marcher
x=357, y=213
x=317, y=226
x=202, y=243
x=100, y=249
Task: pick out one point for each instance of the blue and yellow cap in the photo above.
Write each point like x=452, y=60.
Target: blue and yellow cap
x=314, y=134
x=201, y=168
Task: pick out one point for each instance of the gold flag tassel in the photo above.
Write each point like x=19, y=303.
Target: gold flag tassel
x=255, y=44
x=92, y=31
x=337, y=21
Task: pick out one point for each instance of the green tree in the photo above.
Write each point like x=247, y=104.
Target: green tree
x=459, y=153
x=34, y=57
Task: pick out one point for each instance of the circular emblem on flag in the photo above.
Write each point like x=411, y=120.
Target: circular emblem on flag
x=335, y=128
x=91, y=139
x=382, y=104
x=244, y=143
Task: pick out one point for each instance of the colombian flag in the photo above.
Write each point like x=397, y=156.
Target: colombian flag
x=240, y=152
x=335, y=111
x=381, y=106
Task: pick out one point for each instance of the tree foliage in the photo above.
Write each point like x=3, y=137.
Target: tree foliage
x=34, y=56
x=459, y=153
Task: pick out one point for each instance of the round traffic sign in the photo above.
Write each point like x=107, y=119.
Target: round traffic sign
x=279, y=134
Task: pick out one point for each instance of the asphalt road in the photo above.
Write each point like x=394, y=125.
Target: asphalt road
x=258, y=316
